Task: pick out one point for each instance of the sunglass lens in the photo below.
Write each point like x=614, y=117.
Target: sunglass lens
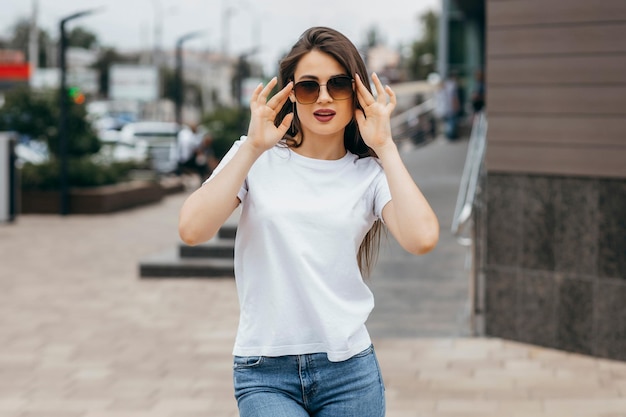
x=307, y=91
x=340, y=88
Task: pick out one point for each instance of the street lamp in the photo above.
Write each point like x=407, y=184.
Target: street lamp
x=227, y=13
x=63, y=109
x=179, y=74
x=241, y=72
x=158, y=32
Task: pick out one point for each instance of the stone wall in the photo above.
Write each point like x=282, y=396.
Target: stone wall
x=552, y=260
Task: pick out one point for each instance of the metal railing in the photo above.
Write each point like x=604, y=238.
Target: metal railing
x=463, y=227
x=415, y=124
x=469, y=179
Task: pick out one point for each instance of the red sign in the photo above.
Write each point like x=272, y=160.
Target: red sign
x=14, y=72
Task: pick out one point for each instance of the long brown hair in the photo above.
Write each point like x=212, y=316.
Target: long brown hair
x=338, y=46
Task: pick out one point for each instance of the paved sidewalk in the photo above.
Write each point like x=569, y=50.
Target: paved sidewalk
x=81, y=335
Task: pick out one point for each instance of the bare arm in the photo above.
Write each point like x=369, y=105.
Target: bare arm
x=408, y=215
x=207, y=208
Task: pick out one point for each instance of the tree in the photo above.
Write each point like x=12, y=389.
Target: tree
x=225, y=127
x=20, y=37
x=243, y=70
x=28, y=114
x=80, y=37
x=106, y=58
x=373, y=38
x=191, y=94
x=21, y=34
x=424, y=51
x=36, y=115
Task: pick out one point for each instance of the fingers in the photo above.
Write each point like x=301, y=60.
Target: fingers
x=392, y=97
x=279, y=98
x=256, y=93
x=380, y=90
x=363, y=94
x=259, y=97
x=261, y=93
x=285, y=124
x=383, y=93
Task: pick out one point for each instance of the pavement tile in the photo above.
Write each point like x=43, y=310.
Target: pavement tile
x=591, y=406
x=13, y=404
x=463, y=406
x=82, y=335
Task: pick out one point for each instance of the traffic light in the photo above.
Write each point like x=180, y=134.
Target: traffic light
x=76, y=95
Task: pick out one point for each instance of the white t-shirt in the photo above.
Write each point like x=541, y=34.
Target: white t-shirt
x=298, y=281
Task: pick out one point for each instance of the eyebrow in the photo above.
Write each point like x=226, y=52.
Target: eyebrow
x=316, y=78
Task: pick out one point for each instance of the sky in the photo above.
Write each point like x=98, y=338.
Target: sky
x=271, y=25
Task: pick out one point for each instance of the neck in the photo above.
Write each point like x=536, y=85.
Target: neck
x=322, y=147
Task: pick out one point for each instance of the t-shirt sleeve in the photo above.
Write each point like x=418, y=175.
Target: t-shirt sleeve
x=225, y=160
x=382, y=195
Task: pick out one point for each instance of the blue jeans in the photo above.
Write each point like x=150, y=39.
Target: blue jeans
x=452, y=127
x=309, y=386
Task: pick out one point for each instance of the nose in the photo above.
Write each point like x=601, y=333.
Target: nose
x=324, y=95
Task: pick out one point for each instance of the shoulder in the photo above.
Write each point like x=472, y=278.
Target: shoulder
x=368, y=169
x=368, y=162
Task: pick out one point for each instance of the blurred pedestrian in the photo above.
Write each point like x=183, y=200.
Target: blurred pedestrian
x=316, y=176
x=189, y=141
x=478, y=93
x=206, y=161
x=452, y=105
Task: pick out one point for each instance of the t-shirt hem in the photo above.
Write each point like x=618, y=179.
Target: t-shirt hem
x=275, y=351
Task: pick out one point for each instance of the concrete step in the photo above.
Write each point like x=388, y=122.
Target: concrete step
x=212, y=259
x=169, y=264
x=217, y=248
x=228, y=231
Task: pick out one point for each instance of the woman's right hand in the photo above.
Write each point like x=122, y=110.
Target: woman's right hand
x=262, y=133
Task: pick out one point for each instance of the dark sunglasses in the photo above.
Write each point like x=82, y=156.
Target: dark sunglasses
x=339, y=88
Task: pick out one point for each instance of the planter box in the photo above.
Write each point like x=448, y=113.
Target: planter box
x=97, y=200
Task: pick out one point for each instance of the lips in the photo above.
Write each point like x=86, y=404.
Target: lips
x=324, y=115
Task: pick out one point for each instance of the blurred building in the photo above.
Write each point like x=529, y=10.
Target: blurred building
x=208, y=80
x=385, y=62
x=211, y=72
x=551, y=222
x=14, y=70
x=462, y=31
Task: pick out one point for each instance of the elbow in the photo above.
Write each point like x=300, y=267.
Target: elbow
x=187, y=236
x=190, y=235
x=428, y=245
x=424, y=244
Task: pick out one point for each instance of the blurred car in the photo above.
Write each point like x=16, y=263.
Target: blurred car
x=31, y=151
x=159, y=139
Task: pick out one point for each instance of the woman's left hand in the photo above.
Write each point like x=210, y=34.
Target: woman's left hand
x=375, y=119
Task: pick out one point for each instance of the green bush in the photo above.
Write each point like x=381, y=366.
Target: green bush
x=36, y=114
x=81, y=172
x=226, y=126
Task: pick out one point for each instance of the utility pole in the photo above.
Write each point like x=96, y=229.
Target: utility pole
x=227, y=12
x=179, y=74
x=64, y=109
x=33, y=40
x=443, y=48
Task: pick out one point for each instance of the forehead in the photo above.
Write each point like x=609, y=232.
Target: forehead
x=318, y=65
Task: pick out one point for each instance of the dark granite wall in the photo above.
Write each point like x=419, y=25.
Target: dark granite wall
x=552, y=254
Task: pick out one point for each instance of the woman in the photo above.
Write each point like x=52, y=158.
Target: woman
x=316, y=175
